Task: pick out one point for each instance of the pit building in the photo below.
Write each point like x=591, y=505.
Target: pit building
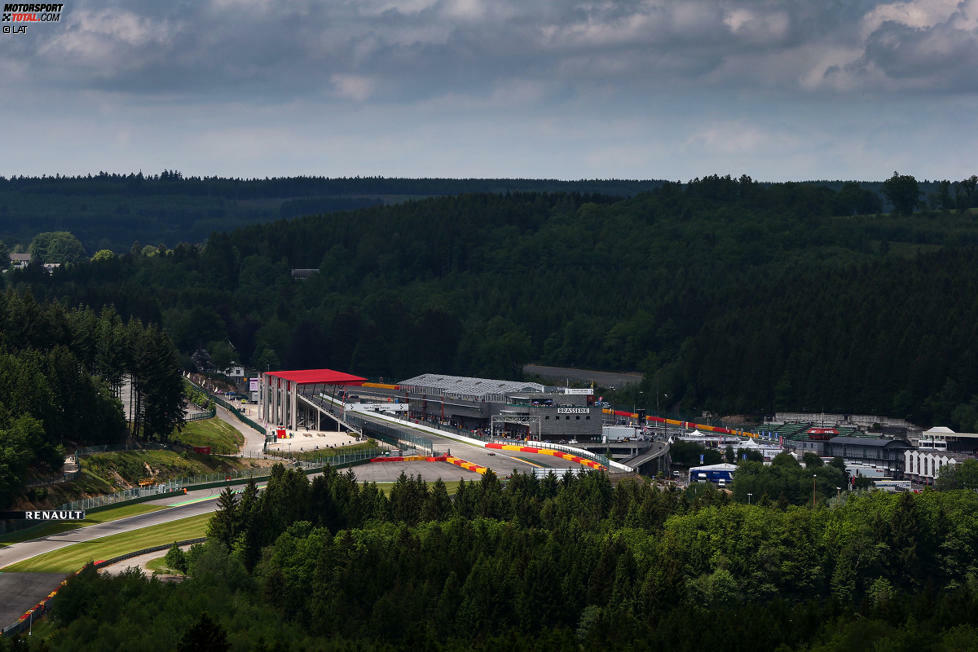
x=505, y=408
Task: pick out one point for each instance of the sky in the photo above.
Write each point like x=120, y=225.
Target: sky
x=645, y=89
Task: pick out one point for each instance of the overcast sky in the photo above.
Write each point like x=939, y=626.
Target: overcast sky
x=787, y=89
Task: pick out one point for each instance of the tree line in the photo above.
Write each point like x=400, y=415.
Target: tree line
x=730, y=295
x=547, y=563
x=119, y=211
x=61, y=379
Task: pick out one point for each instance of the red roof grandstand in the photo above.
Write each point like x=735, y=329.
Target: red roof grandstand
x=318, y=377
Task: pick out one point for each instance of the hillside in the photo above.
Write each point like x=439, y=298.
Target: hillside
x=730, y=296
x=114, y=211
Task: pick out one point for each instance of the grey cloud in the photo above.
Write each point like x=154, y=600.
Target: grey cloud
x=391, y=51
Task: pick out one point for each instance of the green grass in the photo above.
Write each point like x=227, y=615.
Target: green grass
x=222, y=437
x=103, y=516
x=158, y=565
x=71, y=558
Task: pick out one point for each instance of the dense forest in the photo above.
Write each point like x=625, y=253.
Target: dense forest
x=61, y=376
x=729, y=295
x=546, y=564
x=113, y=211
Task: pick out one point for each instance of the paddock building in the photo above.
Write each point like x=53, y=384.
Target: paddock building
x=505, y=408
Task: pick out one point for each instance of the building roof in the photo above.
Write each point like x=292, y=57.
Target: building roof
x=867, y=441
x=470, y=386
x=21, y=257
x=317, y=377
x=715, y=467
x=939, y=430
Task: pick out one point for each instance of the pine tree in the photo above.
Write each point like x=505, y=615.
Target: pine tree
x=205, y=636
x=225, y=525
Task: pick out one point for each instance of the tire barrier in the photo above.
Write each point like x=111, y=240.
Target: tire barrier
x=549, y=451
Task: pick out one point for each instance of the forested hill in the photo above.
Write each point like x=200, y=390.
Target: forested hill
x=729, y=295
x=112, y=211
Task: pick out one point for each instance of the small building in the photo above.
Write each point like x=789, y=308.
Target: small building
x=301, y=274
x=941, y=438
x=20, y=261
x=719, y=474
x=886, y=454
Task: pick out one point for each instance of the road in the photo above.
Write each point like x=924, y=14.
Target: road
x=21, y=591
x=502, y=463
x=201, y=501
x=254, y=441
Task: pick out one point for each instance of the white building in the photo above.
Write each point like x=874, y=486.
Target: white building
x=924, y=466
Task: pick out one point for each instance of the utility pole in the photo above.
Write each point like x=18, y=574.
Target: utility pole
x=813, y=490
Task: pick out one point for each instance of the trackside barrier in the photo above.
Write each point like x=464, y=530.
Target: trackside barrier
x=549, y=451
x=41, y=608
x=683, y=424
x=573, y=450
x=410, y=458
x=177, y=485
x=468, y=466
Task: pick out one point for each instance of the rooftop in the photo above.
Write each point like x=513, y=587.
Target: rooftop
x=715, y=467
x=868, y=441
x=317, y=377
x=469, y=385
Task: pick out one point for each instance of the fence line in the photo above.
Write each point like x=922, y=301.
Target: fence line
x=195, y=481
x=200, y=416
x=235, y=411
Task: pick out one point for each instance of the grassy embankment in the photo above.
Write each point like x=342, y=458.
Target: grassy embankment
x=106, y=473
x=222, y=437
x=104, y=516
x=71, y=558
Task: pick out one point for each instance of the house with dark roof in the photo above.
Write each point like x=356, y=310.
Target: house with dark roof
x=882, y=453
x=20, y=261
